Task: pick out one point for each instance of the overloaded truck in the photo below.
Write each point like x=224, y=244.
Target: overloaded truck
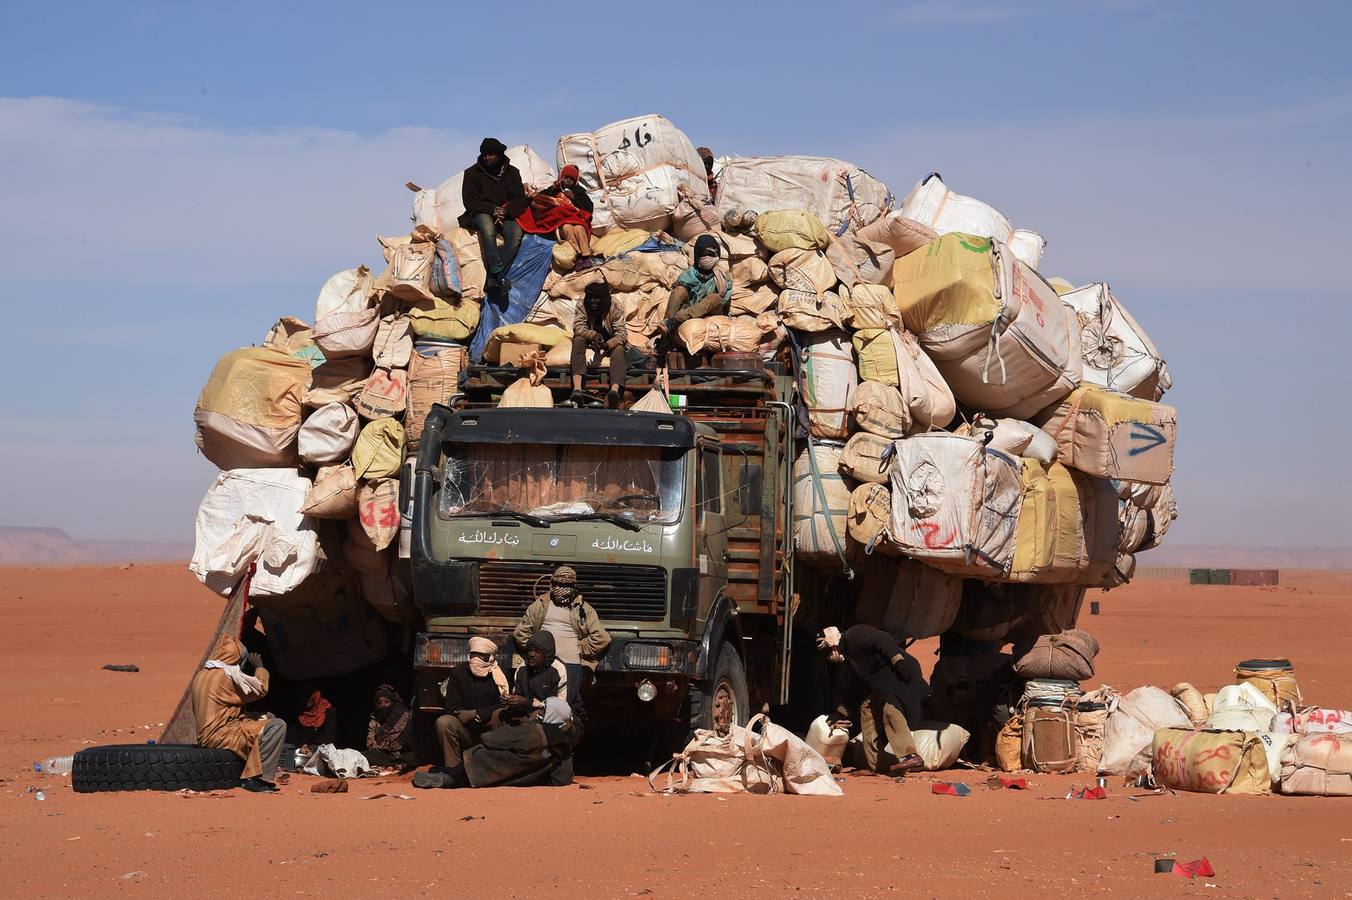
x=678, y=524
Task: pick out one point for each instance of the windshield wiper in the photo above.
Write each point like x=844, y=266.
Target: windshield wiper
x=534, y=521
x=604, y=517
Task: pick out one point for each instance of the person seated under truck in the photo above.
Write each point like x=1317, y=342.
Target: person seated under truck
x=598, y=327
x=885, y=685
x=494, y=196
x=565, y=210
x=476, y=694
x=389, y=739
x=702, y=290
x=579, y=638
x=226, y=684
x=537, y=749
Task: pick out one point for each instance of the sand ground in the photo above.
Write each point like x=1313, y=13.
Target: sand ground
x=608, y=837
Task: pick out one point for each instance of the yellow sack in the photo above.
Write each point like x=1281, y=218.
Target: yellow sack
x=1113, y=435
x=947, y=285
x=1068, y=539
x=379, y=449
x=877, y=355
x=618, y=240
x=249, y=412
x=780, y=229
x=564, y=256
x=1211, y=762
x=1009, y=745
x=872, y=306
x=1034, y=537
x=544, y=335
x=870, y=508
x=443, y=319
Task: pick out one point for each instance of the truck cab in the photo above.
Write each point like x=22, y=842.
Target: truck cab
x=675, y=522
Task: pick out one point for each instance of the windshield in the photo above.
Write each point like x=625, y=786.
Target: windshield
x=556, y=482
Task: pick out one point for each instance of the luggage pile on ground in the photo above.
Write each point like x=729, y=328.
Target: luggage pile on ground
x=980, y=443
x=1254, y=736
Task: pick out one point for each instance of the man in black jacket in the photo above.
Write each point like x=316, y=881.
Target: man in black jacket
x=476, y=694
x=885, y=685
x=494, y=197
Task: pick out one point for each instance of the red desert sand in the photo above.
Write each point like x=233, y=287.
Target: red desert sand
x=608, y=837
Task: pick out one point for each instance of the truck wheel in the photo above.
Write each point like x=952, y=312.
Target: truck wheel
x=726, y=701
x=154, y=767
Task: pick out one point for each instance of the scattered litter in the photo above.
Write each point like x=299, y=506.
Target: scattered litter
x=40, y=795
x=951, y=788
x=1188, y=870
x=1093, y=793
x=388, y=797
x=586, y=787
x=76, y=838
x=471, y=818
x=131, y=875
x=122, y=667
x=1008, y=782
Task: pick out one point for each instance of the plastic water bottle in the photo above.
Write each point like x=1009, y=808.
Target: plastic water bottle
x=54, y=765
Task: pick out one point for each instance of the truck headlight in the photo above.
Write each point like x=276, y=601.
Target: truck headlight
x=638, y=655
x=646, y=691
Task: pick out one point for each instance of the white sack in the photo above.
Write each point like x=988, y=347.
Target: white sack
x=328, y=434
x=254, y=514
x=932, y=203
x=816, y=184
x=1117, y=352
x=1130, y=730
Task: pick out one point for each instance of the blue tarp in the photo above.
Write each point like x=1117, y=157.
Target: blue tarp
x=527, y=275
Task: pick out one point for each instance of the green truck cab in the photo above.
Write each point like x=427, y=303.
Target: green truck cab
x=678, y=524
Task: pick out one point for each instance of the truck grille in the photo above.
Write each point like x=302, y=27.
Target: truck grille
x=617, y=593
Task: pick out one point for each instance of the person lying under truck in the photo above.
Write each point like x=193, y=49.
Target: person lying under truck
x=579, y=638
x=884, y=683
x=221, y=690
x=702, y=290
x=564, y=209
x=494, y=196
x=476, y=693
x=389, y=739
x=598, y=327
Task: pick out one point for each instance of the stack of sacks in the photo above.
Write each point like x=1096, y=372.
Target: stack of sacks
x=933, y=205
x=840, y=194
x=328, y=448
x=441, y=209
x=637, y=171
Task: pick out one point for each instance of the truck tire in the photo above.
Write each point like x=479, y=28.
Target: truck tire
x=154, y=767
x=724, y=697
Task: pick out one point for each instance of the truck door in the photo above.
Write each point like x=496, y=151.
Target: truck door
x=711, y=548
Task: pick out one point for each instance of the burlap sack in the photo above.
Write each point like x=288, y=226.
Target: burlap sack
x=347, y=333
x=1009, y=745
x=394, y=342
x=1318, y=765
x=870, y=508
x=378, y=510
x=333, y=495
x=1210, y=762
x=337, y=381
x=431, y=379
x=1069, y=654
x=327, y=435
x=1090, y=719
x=379, y=449
x=879, y=409
x=385, y=394
x=408, y=273
x=867, y=457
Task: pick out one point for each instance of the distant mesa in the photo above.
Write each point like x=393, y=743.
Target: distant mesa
x=52, y=546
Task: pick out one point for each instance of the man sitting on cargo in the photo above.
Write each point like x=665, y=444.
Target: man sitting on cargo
x=579, y=638
x=476, y=694
x=220, y=691
x=885, y=684
x=701, y=290
x=494, y=196
x=707, y=156
x=598, y=326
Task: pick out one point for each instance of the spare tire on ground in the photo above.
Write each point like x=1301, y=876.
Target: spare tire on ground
x=154, y=767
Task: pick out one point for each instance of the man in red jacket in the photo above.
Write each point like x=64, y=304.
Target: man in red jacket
x=494, y=197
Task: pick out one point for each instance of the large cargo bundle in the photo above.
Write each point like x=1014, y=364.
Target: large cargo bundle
x=821, y=504
x=635, y=171
x=955, y=503
x=1118, y=354
x=933, y=204
x=1113, y=435
x=250, y=410
x=997, y=331
x=840, y=194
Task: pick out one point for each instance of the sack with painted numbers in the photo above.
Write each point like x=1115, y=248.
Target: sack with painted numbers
x=385, y=394
x=1210, y=762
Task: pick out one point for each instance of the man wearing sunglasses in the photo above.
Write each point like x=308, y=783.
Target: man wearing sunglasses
x=476, y=693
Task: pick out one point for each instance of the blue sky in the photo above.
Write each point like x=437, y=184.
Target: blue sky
x=174, y=177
